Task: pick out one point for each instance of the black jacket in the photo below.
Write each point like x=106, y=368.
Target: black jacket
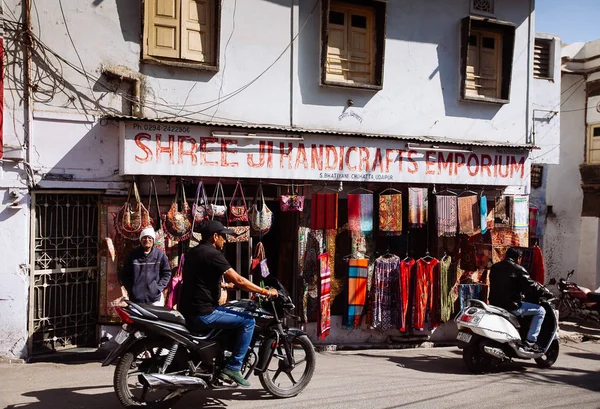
x=146, y=276
x=510, y=284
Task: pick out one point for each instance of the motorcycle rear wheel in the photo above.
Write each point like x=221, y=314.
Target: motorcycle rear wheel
x=145, y=357
x=550, y=357
x=476, y=360
x=279, y=379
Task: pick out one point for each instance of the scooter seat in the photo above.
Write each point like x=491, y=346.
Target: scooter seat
x=165, y=314
x=503, y=313
x=595, y=297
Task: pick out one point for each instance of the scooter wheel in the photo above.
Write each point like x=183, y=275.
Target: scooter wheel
x=550, y=357
x=475, y=359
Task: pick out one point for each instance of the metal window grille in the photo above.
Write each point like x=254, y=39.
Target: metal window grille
x=483, y=7
x=541, y=58
x=64, y=285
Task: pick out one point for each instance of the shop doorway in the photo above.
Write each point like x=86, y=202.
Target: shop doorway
x=64, y=274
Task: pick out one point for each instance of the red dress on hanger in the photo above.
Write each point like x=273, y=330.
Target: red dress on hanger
x=424, y=290
x=406, y=267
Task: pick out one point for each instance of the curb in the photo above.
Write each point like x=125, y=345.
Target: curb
x=7, y=360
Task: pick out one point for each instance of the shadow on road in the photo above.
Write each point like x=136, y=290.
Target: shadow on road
x=427, y=362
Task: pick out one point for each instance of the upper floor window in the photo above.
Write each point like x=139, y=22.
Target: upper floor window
x=593, y=145
x=182, y=32
x=541, y=58
x=483, y=7
x=353, y=43
x=486, y=59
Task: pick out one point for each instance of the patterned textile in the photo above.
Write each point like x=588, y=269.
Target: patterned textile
x=469, y=215
x=360, y=213
x=447, y=222
x=390, y=215
x=357, y=290
x=303, y=233
x=324, y=324
x=468, y=259
x=417, y=207
x=447, y=280
x=385, y=311
x=483, y=213
x=468, y=292
x=505, y=237
x=503, y=211
x=483, y=255
x=424, y=293
x=359, y=246
x=521, y=212
x=406, y=269
x=498, y=253
x=533, y=220
x=324, y=211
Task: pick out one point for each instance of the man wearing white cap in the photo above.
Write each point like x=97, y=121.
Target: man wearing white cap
x=146, y=272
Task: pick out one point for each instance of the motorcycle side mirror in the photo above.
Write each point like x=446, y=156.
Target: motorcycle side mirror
x=552, y=281
x=570, y=274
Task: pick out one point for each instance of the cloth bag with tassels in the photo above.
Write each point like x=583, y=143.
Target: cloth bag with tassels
x=131, y=220
x=178, y=224
x=261, y=219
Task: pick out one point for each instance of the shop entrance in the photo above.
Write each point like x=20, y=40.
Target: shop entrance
x=64, y=283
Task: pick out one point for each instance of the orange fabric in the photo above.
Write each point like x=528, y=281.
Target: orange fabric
x=538, y=269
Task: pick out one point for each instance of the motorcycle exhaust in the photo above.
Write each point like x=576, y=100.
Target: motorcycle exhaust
x=166, y=381
x=495, y=352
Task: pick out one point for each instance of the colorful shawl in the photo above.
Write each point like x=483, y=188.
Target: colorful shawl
x=417, y=207
x=446, y=215
x=357, y=290
x=324, y=324
x=447, y=280
x=324, y=211
x=483, y=210
x=390, y=215
x=521, y=212
x=360, y=213
x=503, y=211
x=468, y=215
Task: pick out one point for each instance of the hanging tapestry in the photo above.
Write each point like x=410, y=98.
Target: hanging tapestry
x=469, y=215
x=417, y=207
x=357, y=290
x=447, y=222
x=483, y=214
x=390, y=215
x=406, y=269
x=324, y=211
x=360, y=213
x=520, y=213
x=467, y=255
x=503, y=211
x=468, y=292
x=483, y=255
x=324, y=324
x=385, y=306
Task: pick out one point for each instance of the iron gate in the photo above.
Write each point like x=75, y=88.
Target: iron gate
x=64, y=288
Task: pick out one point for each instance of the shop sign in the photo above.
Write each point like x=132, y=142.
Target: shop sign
x=183, y=150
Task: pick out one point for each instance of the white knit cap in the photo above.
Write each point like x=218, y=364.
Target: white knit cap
x=148, y=231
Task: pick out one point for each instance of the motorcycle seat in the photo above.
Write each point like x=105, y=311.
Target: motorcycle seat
x=503, y=313
x=165, y=314
x=595, y=297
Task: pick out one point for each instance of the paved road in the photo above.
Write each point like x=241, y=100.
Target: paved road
x=416, y=378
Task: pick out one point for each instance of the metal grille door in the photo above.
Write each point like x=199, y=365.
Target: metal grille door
x=64, y=301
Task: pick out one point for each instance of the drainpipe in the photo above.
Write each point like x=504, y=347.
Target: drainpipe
x=292, y=51
x=27, y=112
x=531, y=39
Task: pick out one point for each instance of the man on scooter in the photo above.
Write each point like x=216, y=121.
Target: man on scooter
x=509, y=285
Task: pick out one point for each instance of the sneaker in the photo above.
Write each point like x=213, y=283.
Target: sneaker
x=533, y=347
x=236, y=376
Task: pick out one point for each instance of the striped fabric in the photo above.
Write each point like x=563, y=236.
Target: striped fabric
x=447, y=221
x=357, y=290
x=324, y=211
x=417, y=207
x=360, y=213
x=324, y=324
x=469, y=215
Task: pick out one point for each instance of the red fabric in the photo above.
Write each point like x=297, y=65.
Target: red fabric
x=538, y=269
x=406, y=267
x=324, y=211
x=424, y=291
x=324, y=324
x=354, y=213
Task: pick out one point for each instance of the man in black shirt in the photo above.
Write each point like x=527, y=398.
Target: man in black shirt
x=201, y=288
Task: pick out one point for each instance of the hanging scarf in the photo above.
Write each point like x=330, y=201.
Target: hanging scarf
x=390, y=215
x=503, y=211
x=483, y=210
x=360, y=213
x=446, y=215
x=324, y=211
x=520, y=213
x=357, y=290
x=468, y=215
x=324, y=324
x=533, y=221
x=417, y=207
x=447, y=280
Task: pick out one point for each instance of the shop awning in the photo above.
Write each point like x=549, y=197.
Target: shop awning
x=296, y=130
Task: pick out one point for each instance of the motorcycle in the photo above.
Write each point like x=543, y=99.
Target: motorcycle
x=158, y=359
x=576, y=301
x=489, y=335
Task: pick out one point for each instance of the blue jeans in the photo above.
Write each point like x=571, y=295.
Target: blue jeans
x=224, y=318
x=538, y=314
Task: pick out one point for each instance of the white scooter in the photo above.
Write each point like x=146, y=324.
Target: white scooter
x=489, y=335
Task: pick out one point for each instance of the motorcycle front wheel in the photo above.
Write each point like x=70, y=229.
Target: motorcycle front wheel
x=564, y=309
x=145, y=357
x=550, y=357
x=284, y=381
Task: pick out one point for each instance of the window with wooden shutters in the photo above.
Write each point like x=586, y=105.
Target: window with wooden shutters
x=181, y=30
x=353, y=35
x=486, y=59
x=593, y=152
x=541, y=58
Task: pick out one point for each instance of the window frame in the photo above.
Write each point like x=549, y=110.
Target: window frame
x=181, y=62
x=379, y=21
x=588, y=150
x=548, y=42
x=507, y=32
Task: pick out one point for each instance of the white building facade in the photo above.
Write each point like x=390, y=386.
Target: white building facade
x=92, y=90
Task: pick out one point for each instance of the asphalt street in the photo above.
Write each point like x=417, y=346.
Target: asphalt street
x=413, y=378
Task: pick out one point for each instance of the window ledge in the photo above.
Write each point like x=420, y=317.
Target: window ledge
x=181, y=64
x=368, y=87
x=488, y=100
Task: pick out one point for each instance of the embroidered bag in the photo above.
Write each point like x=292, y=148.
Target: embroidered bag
x=264, y=268
x=292, y=202
x=215, y=209
x=178, y=224
x=238, y=213
x=259, y=255
x=261, y=218
x=241, y=234
x=131, y=220
x=200, y=207
x=174, y=287
x=157, y=223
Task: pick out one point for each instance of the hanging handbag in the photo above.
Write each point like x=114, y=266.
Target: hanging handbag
x=178, y=224
x=131, y=220
x=240, y=234
x=292, y=202
x=238, y=213
x=200, y=207
x=174, y=287
x=157, y=223
x=260, y=219
x=259, y=255
x=216, y=210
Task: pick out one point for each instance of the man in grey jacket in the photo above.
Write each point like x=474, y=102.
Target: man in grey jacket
x=146, y=272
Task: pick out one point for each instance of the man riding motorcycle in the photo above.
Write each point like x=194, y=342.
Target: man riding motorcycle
x=204, y=267
x=509, y=285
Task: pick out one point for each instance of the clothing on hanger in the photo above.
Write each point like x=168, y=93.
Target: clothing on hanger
x=390, y=214
x=469, y=215
x=324, y=321
x=357, y=291
x=417, y=207
x=324, y=211
x=447, y=215
x=385, y=307
x=406, y=269
x=360, y=213
x=424, y=291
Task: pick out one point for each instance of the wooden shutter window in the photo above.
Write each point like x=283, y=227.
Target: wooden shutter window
x=163, y=30
x=197, y=29
x=541, y=58
x=594, y=145
x=483, y=71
